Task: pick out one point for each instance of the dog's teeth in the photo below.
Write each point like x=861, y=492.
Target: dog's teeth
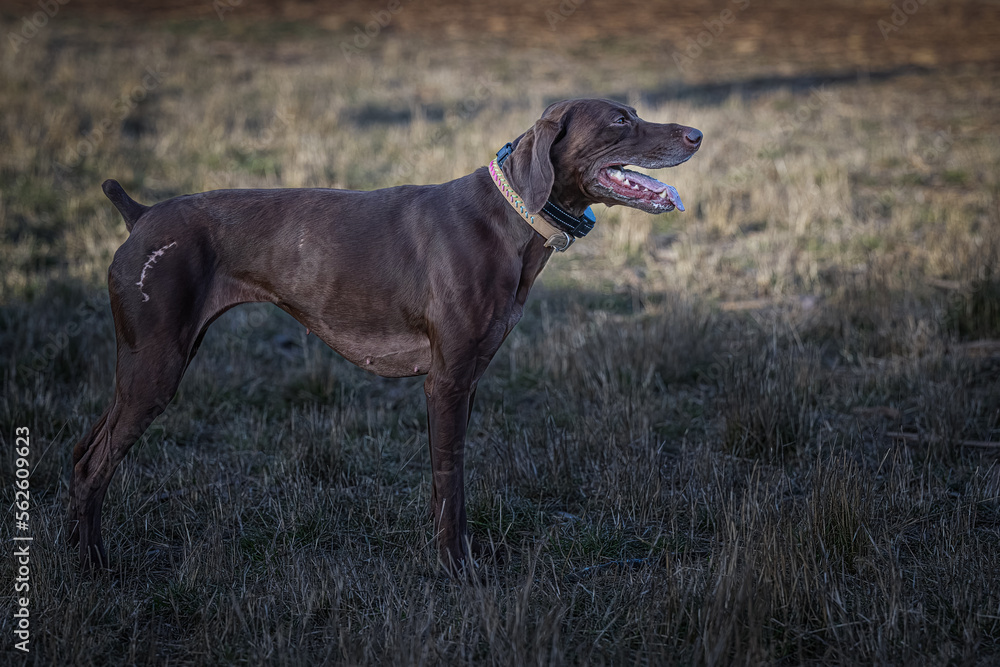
x=663, y=195
x=627, y=182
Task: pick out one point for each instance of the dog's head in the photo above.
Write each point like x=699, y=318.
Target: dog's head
x=576, y=155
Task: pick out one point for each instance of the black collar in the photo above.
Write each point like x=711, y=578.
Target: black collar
x=563, y=219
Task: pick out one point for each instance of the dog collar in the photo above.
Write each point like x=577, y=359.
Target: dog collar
x=572, y=227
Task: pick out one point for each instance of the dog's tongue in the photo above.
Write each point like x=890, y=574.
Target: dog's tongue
x=674, y=197
x=647, y=182
x=653, y=185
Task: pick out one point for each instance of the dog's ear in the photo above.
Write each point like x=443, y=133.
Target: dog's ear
x=531, y=168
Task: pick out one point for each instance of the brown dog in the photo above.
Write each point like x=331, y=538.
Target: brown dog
x=404, y=281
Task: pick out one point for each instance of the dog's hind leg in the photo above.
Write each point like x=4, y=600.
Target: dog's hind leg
x=158, y=326
x=145, y=382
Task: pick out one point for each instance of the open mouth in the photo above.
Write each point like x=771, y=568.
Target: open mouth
x=639, y=190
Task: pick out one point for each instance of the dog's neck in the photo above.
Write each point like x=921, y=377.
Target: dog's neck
x=559, y=226
x=554, y=238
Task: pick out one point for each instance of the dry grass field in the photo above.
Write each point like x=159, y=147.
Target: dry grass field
x=763, y=431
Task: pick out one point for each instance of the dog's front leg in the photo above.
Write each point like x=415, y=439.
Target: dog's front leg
x=449, y=400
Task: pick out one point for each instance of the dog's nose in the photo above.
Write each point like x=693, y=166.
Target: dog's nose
x=693, y=137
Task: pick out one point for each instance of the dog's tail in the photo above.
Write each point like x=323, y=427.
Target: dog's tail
x=130, y=209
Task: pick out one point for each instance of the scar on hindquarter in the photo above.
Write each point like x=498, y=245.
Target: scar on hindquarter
x=153, y=256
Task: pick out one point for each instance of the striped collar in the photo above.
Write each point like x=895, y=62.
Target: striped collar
x=568, y=227
x=554, y=238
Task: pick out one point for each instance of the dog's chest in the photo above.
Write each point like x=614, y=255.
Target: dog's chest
x=388, y=355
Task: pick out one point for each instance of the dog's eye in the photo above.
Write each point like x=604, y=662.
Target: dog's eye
x=621, y=120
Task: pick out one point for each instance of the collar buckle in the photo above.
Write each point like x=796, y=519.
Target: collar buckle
x=559, y=242
x=504, y=153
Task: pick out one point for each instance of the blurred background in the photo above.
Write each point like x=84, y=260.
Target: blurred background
x=809, y=355
x=830, y=130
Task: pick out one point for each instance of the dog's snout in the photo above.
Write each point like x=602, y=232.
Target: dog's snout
x=693, y=137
